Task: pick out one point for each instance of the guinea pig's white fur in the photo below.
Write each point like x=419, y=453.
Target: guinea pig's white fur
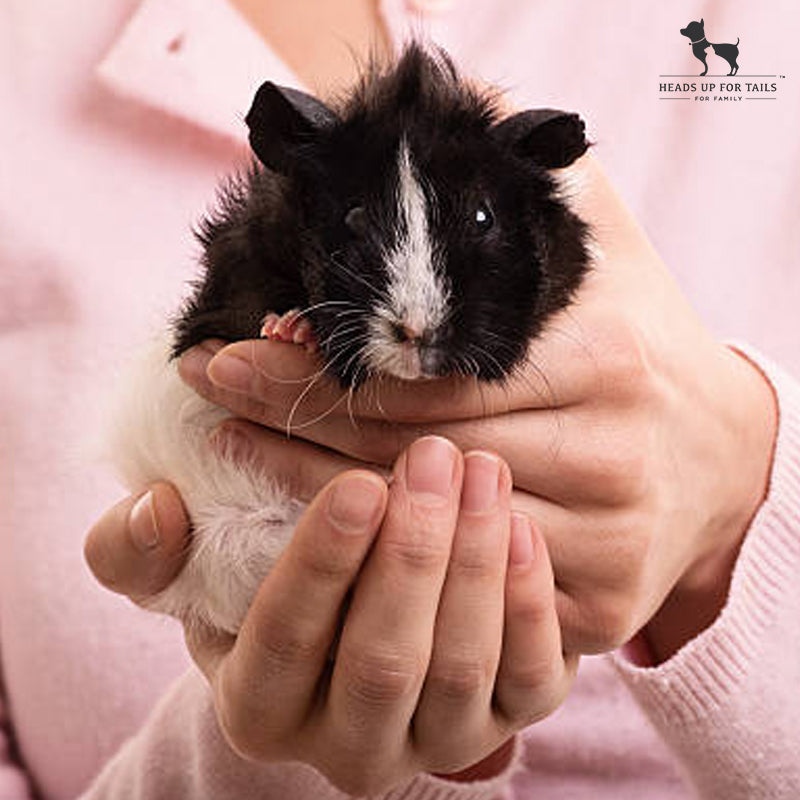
x=241, y=517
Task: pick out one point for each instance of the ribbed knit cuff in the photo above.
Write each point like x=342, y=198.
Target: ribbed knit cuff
x=429, y=787
x=702, y=676
x=423, y=786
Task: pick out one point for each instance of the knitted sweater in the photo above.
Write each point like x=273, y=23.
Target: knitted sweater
x=119, y=117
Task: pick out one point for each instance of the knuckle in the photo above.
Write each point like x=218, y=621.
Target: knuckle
x=544, y=690
x=625, y=360
x=476, y=565
x=608, y=625
x=623, y=348
x=537, y=689
x=422, y=556
x=381, y=676
x=283, y=644
x=530, y=611
x=460, y=679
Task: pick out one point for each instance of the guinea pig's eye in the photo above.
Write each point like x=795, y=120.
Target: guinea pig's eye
x=356, y=220
x=483, y=218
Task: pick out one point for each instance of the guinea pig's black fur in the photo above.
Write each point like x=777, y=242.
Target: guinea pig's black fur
x=419, y=232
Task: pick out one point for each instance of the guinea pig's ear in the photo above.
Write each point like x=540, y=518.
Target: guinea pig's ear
x=551, y=138
x=280, y=119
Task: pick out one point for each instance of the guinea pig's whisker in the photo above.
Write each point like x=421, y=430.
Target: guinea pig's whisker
x=503, y=343
x=471, y=366
x=549, y=395
x=482, y=393
x=354, y=356
x=343, y=350
x=519, y=375
x=378, y=403
x=351, y=394
x=348, y=312
x=296, y=405
x=308, y=423
x=339, y=331
x=350, y=272
x=480, y=351
x=303, y=311
x=489, y=357
x=576, y=338
x=291, y=381
x=351, y=416
x=293, y=410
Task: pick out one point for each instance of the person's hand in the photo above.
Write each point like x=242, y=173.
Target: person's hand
x=639, y=444
x=450, y=642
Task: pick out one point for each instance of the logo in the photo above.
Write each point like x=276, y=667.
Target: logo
x=723, y=58
x=695, y=32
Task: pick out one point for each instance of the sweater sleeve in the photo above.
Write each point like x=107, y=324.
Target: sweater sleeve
x=180, y=752
x=728, y=703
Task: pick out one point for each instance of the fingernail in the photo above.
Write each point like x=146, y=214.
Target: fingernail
x=354, y=503
x=481, y=477
x=231, y=372
x=521, y=546
x=142, y=524
x=430, y=464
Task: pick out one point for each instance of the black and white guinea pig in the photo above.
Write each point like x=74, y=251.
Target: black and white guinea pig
x=418, y=232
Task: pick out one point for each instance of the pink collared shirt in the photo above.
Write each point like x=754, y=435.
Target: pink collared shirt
x=118, y=119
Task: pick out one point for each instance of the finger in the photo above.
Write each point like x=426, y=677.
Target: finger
x=269, y=681
x=562, y=367
x=568, y=458
x=455, y=705
x=597, y=561
x=387, y=638
x=303, y=467
x=138, y=546
x=534, y=676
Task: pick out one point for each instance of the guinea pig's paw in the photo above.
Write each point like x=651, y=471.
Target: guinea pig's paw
x=290, y=327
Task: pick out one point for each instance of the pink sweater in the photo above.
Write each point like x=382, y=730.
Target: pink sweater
x=118, y=118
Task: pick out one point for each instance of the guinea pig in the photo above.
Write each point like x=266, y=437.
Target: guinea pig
x=418, y=232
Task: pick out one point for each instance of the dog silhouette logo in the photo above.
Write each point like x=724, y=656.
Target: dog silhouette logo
x=695, y=33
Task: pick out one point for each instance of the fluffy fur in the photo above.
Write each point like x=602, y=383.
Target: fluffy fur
x=414, y=178
x=241, y=517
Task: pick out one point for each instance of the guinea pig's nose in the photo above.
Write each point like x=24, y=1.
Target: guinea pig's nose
x=405, y=333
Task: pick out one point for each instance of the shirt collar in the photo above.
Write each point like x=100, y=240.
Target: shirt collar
x=203, y=62
x=198, y=60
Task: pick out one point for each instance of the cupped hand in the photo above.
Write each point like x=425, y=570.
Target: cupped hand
x=638, y=443
x=439, y=600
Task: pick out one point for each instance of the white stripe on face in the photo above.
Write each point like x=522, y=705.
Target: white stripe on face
x=416, y=294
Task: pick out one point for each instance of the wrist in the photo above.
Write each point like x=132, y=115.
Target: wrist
x=702, y=591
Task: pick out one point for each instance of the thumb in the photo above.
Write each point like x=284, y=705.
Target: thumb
x=137, y=547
